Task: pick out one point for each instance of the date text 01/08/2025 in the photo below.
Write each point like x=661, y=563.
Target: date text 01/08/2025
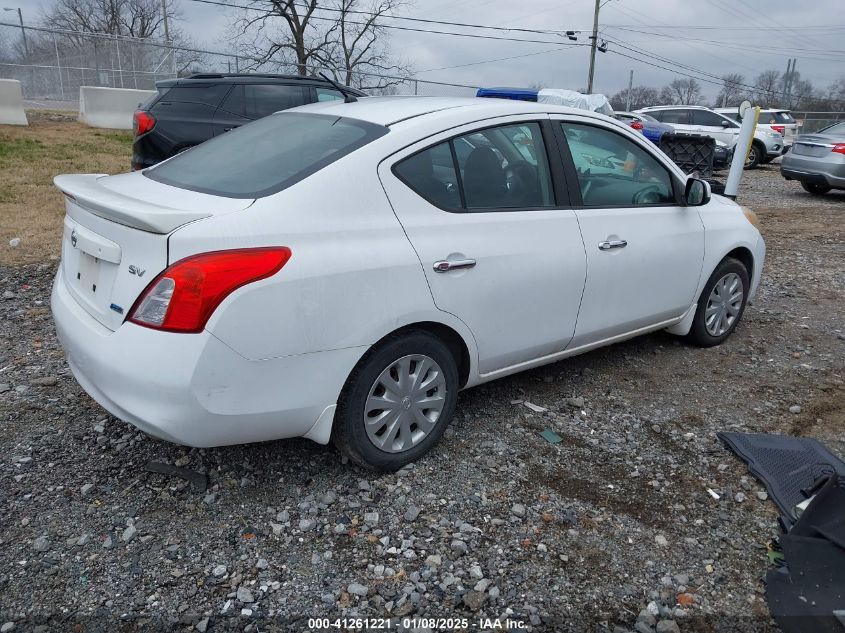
x=431, y=623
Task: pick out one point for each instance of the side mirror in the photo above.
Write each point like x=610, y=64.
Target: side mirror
x=725, y=123
x=697, y=192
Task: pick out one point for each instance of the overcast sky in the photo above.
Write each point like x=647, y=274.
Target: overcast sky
x=714, y=36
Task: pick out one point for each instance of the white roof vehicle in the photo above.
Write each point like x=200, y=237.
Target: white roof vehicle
x=340, y=270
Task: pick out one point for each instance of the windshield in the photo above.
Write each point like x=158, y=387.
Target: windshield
x=267, y=155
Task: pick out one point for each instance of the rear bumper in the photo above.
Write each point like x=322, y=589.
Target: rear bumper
x=813, y=170
x=193, y=389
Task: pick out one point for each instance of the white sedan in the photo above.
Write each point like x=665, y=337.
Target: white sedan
x=340, y=271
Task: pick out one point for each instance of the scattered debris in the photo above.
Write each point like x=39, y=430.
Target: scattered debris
x=551, y=437
x=535, y=408
x=198, y=480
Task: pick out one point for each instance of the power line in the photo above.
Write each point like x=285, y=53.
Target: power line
x=498, y=59
x=408, y=19
x=757, y=48
x=696, y=27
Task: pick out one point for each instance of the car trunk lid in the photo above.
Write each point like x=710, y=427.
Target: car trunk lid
x=115, y=236
x=816, y=145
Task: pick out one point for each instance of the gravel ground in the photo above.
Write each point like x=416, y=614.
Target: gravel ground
x=613, y=529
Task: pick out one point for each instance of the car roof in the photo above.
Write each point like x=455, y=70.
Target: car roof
x=672, y=107
x=249, y=78
x=392, y=110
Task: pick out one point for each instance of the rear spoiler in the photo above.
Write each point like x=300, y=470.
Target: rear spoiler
x=86, y=191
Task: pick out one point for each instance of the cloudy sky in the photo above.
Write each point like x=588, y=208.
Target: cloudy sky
x=705, y=36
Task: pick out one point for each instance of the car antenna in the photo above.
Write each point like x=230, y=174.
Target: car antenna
x=348, y=97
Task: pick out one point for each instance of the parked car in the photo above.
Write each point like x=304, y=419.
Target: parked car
x=817, y=160
x=766, y=145
x=647, y=125
x=341, y=270
x=776, y=120
x=186, y=112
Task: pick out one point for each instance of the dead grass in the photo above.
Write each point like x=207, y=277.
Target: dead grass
x=31, y=208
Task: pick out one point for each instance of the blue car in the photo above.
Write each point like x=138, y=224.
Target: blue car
x=650, y=127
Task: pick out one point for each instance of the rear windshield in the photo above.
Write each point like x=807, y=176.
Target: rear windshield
x=266, y=156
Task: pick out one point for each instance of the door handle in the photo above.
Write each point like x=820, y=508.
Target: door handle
x=609, y=244
x=444, y=265
x=226, y=129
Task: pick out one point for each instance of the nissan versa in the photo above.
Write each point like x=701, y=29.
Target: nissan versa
x=339, y=271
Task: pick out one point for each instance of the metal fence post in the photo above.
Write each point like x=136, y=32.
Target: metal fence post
x=119, y=64
x=59, y=66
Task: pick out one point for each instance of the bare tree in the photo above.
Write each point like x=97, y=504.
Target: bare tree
x=641, y=96
x=283, y=32
x=133, y=18
x=767, y=88
x=732, y=90
x=682, y=92
x=360, y=48
x=345, y=37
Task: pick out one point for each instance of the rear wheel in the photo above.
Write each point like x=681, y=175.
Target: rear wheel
x=721, y=304
x=815, y=188
x=397, y=402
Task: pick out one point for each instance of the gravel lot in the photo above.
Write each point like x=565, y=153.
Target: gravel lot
x=611, y=530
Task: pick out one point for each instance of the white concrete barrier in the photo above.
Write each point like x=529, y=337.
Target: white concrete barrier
x=11, y=103
x=110, y=107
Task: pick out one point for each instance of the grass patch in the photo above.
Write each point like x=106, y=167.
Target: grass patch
x=30, y=157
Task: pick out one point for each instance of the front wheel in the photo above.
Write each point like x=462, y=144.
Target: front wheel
x=721, y=304
x=815, y=188
x=397, y=402
x=756, y=155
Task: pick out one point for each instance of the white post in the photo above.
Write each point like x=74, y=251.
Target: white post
x=741, y=149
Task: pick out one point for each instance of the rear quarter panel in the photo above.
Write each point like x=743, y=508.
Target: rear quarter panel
x=353, y=276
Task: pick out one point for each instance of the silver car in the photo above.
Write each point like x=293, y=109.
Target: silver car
x=817, y=160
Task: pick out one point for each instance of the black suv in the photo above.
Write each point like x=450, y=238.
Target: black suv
x=186, y=112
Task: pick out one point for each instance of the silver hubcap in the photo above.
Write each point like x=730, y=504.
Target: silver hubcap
x=724, y=304
x=752, y=156
x=405, y=403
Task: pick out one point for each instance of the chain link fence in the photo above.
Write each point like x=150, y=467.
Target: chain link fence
x=52, y=64
x=815, y=121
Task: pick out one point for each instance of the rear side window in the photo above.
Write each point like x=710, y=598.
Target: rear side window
x=431, y=173
x=677, y=117
x=265, y=156
x=705, y=117
x=207, y=94
x=328, y=94
x=502, y=167
x=263, y=99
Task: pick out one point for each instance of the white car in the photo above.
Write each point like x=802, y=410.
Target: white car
x=766, y=146
x=341, y=270
x=773, y=120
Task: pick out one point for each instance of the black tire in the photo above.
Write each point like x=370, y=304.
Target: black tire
x=815, y=188
x=348, y=432
x=698, y=334
x=756, y=155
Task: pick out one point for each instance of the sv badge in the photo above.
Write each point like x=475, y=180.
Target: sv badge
x=134, y=270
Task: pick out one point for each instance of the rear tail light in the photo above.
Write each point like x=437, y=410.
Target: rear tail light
x=142, y=122
x=185, y=295
x=637, y=125
x=839, y=148
x=780, y=129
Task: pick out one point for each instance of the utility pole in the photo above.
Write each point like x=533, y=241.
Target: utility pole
x=23, y=30
x=630, y=87
x=593, y=47
x=786, y=81
x=791, y=82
